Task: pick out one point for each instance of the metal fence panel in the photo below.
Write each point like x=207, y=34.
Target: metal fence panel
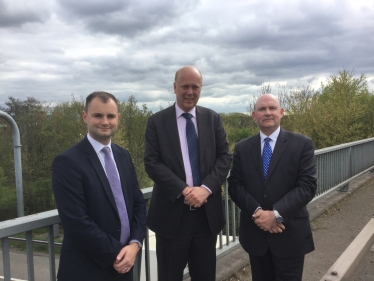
x=336, y=167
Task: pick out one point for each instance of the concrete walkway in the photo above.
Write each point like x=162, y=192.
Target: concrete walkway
x=336, y=220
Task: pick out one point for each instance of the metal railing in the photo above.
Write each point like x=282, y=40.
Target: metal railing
x=336, y=166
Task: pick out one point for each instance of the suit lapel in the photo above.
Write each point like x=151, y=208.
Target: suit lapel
x=279, y=149
x=95, y=161
x=255, y=154
x=171, y=126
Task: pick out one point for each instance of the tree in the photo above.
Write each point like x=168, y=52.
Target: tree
x=339, y=113
x=238, y=126
x=133, y=122
x=31, y=115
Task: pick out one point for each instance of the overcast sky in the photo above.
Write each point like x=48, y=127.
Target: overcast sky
x=51, y=49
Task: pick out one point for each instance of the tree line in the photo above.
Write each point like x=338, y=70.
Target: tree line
x=341, y=111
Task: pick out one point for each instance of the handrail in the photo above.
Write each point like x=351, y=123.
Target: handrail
x=346, y=264
x=17, y=161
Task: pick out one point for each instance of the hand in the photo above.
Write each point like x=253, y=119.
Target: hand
x=266, y=221
x=186, y=191
x=197, y=196
x=126, y=258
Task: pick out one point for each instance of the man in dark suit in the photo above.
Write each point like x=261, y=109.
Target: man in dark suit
x=274, y=221
x=101, y=207
x=186, y=210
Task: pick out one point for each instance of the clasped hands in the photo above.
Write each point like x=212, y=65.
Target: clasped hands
x=126, y=258
x=195, y=196
x=266, y=221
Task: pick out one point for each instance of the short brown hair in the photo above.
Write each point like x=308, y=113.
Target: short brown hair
x=103, y=96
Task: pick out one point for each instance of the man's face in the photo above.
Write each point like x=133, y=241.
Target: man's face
x=268, y=113
x=187, y=88
x=101, y=119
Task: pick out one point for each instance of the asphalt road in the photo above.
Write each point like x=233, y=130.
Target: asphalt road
x=18, y=264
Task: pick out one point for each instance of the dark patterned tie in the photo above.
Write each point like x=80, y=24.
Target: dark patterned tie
x=115, y=184
x=193, y=149
x=266, y=156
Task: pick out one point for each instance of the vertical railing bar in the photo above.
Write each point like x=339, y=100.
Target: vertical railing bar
x=227, y=212
x=30, y=256
x=6, y=258
x=51, y=250
x=233, y=220
x=220, y=240
x=137, y=266
x=146, y=250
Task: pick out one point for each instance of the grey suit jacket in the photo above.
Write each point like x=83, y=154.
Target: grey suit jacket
x=164, y=164
x=289, y=186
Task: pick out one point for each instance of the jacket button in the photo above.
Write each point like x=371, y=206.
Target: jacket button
x=265, y=195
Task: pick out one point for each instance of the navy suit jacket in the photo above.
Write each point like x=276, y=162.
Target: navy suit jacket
x=289, y=186
x=164, y=165
x=88, y=212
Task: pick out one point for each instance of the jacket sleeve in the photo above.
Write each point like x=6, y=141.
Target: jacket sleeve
x=219, y=170
x=164, y=177
x=305, y=186
x=238, y=193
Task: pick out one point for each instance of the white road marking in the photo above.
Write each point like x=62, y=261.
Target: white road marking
x=13, y=279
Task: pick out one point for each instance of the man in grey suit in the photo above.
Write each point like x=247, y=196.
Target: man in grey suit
x=272, y=179
x=187, y=156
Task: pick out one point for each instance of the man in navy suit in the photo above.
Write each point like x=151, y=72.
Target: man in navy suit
x=103, y=227
x=186, y=210
x=274, y=221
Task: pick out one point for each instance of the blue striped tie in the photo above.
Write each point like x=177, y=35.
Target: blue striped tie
x=193, y=149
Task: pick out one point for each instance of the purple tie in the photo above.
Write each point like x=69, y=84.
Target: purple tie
x=115, y=184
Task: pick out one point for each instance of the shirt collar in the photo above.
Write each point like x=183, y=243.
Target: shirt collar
x=273, y=136
x=98, y=146
x=179, y=111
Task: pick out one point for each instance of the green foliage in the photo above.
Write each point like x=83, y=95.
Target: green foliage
x=238, y=126
x=341, y=112
x=8, y=200
x=40, y=234
x=38, y=196
x=133, y=121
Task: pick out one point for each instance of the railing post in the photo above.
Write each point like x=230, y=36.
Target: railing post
x=137, y=265
x=6, y=258
x=17, y=161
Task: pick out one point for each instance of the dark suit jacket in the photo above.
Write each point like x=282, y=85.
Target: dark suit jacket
x=88, y=212
x=290, y=184
x=164, y=165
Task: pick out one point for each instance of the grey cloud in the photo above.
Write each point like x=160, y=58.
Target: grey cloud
x=126, y=18
x=237, y=45
x=92, y=7
x=15, y=14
